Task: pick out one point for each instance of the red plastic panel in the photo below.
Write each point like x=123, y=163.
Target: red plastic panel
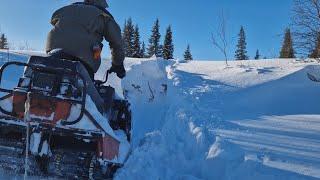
x=19, y=100
x=108, y=148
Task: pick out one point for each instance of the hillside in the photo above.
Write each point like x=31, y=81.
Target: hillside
x=203, y=120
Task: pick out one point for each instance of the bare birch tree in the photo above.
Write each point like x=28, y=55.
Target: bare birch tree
x=306, y=24
x=219, y=36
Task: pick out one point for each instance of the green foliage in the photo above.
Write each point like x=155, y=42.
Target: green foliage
x=257, y=56
x=187, y=54
x=128, y=38
x=143, y=50
x=168, y=47
x=3, y=42
x=241, y=52
x=154, y=41
x=136, y=51
x=287, y=50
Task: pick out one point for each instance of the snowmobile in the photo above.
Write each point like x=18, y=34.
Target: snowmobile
x=59, y=123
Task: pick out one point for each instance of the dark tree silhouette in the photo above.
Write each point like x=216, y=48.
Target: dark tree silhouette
x=241, y=52
x=287, y=50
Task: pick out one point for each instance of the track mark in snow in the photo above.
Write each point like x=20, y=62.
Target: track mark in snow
x=290, y=143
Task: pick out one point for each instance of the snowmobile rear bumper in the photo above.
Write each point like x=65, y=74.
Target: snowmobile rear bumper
x=18, y=125
x=105, y=147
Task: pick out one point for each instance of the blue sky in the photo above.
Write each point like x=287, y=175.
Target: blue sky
x=192, y=22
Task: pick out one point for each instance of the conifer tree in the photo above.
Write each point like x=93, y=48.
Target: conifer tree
x=124, y=37
x=143, y=50
x=160, y=51
x=3, y=42
x=287, y=50
x=257, y=55
x=168, y=47
x=128, y=38
x=136, y=43
x=154, y=41
x=241, y=52
x=187, y=54
x=124, y=28
x=316, y=52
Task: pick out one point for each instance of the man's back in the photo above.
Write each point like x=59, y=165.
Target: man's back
x=80, y=27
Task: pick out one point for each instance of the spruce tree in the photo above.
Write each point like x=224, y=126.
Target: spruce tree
x=124, y=30
x=154, y=41
x=287, y=50
x=3, y=42
x=187, y=54
x=136, y=43
x=128, y=38
x=124, y=27
x=143, y=50
x=168, y=47
x=241, y=52
x=316, y=52
x=257, y=55
x=160, y=51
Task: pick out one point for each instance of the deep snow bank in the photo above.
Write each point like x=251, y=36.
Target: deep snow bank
x=183, y=134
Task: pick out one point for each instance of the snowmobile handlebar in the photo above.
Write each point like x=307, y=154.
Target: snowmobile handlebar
x=100, y=83
x=57, y=71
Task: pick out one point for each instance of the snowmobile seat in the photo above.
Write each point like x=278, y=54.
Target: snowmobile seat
x=71, y=65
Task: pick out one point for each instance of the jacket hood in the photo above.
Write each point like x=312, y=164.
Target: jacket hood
x=100, y=3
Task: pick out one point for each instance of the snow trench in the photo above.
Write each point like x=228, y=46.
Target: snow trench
x=176, y=131
x=170, y=140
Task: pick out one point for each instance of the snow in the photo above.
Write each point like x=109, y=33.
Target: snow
x=100, y=119
x=6, y=104
x=35, y=139
x=45, y=150
x=205, y=120
x=124, y=149
x=194, y=130
x=85, y=122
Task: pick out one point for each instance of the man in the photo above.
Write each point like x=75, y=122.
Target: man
x=79, y=30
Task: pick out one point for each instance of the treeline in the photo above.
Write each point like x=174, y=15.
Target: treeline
x=287, y=50
x=136, y=48
x=302, y=38
x=3, y=41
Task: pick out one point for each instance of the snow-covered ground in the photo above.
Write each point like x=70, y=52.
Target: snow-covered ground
x=203, y=120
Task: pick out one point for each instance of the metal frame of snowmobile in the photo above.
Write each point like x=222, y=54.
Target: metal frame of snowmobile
x=46, y=125
x=51, y=71
x=10, y=120
x=18, y=125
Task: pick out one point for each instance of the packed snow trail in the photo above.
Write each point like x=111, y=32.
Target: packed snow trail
x=203, y=120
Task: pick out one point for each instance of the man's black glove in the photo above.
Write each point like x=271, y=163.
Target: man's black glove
x=119, y=70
